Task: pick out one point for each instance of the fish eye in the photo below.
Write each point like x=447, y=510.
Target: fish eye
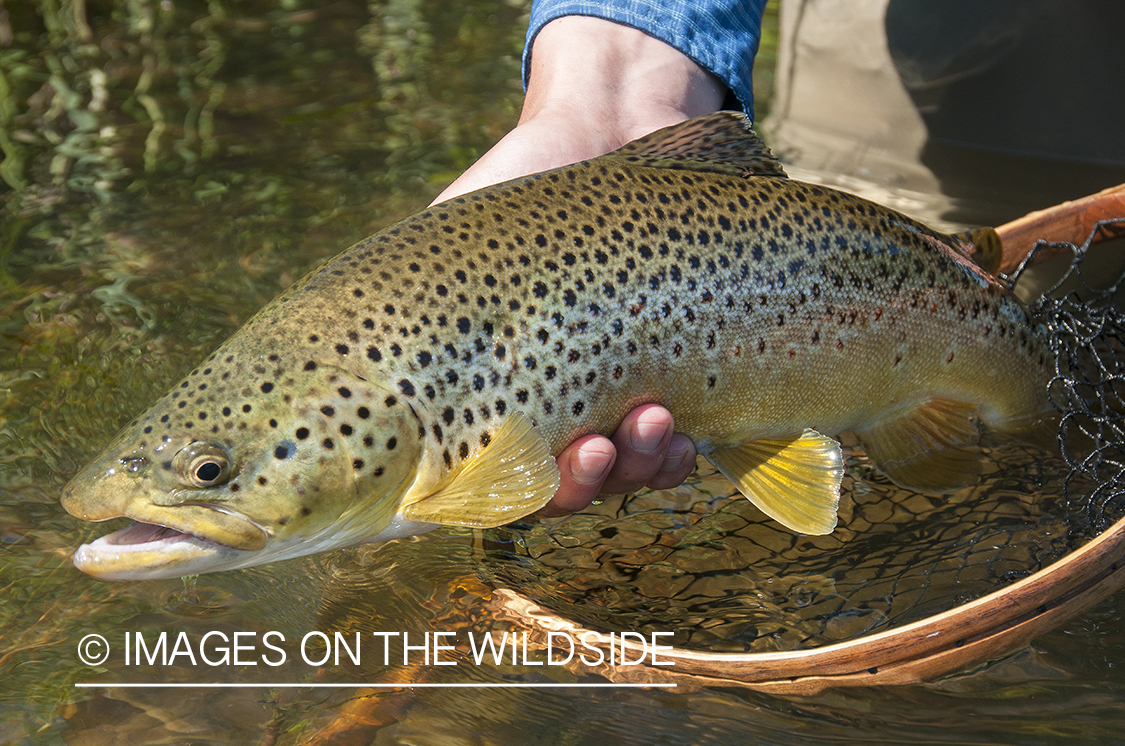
x=202, y=464
x=207, y=470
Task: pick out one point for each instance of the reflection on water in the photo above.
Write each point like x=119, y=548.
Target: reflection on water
x=170, y=167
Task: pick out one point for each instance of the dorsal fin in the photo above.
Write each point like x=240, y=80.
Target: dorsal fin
x=723, y=142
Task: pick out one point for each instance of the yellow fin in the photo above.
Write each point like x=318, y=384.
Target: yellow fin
x=514, y=476
x=988, y=250
x=723, y=142
x=923, y=449
x=795, y=481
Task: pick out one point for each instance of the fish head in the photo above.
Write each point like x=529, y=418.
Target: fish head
x=248, y=473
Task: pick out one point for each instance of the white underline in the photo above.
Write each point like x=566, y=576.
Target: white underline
x=290, y=685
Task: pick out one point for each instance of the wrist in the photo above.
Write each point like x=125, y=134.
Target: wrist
x=618, y=81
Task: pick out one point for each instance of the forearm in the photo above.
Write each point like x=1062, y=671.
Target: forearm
x=720, y=36
x=594, y=85
x=616, y=81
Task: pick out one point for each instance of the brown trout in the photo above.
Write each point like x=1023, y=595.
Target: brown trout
x=429, y=374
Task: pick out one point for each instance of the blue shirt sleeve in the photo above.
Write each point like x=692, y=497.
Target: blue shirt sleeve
x=721, y=35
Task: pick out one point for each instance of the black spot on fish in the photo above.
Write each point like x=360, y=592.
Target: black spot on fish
x=406, y=387
x=391, y=443
x=302, y=433
x=327, y=410
x=281, y=452
x=342, y=349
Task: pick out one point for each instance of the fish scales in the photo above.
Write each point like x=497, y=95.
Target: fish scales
x=575, y=313
x=756, y=308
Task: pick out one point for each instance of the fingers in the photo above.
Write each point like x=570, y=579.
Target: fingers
x=583, y=467
x=645, y=450
x=641, y=441
x=678, y=464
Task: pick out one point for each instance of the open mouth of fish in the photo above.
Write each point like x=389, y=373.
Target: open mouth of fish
x=154, y=550
x=139, y=536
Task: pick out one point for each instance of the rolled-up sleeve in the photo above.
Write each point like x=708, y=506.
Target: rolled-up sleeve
x=721, y=35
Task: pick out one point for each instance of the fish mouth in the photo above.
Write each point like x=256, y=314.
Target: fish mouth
x=146, y=550
x=141, y=534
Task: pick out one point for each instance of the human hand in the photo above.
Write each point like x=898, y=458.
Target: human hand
x=643, y=452
x=594, y=86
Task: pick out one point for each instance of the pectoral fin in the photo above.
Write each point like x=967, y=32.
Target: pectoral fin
x=513, y=476
x=795, y=481
x=925, y=449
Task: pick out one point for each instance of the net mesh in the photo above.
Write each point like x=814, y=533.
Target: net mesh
x=700, y=562
x=1086, y=323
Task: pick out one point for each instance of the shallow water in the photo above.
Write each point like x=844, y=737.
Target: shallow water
x=150, y=210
